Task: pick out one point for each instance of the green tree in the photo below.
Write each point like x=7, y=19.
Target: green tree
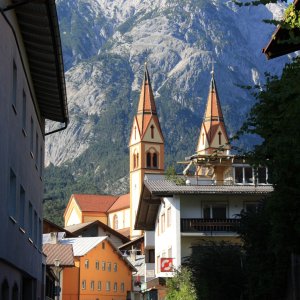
x=275, y=117
x=217, y=270
x=181, y=287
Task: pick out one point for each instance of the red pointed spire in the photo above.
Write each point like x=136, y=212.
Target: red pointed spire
x=146, y=106
x=213, y=126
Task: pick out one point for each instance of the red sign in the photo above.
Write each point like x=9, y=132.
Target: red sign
x=166, y=264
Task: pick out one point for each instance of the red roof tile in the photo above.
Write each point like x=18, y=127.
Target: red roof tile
x=95, y=203
x=122, y=202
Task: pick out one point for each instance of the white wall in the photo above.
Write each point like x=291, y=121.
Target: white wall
x=167, y=243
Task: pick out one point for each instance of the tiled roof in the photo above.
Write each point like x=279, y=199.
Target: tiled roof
x=77, y=229
x=158, y=185
x=64, y=253
x=95, y=203
x=122, y=202
x=83, y=245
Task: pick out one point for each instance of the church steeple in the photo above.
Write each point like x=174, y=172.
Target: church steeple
x=146, y=146
x=213, y=135
x=146, y=107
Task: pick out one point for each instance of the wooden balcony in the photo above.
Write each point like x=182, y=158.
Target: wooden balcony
x=209, y=225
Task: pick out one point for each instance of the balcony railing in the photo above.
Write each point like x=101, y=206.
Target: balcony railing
x=209, y=225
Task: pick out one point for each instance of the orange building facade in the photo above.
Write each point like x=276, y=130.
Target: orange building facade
x=100, y=271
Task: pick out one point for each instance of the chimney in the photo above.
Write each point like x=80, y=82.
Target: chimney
x=53, y=237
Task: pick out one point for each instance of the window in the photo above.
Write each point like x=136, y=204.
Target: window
x=115, y=286
x=12, y=194
x=30, y=219
x=122, y=287
x=137, y=160
x=169, y=217
x=36, y=149
x=115, y=221
x=162, y=223
x=108, y=285
x=203, y=138
x=35, y=227
x=243, y=175
x=41, y=162
x=115, y=267
x=148, y=160
x=150, y=257
x=103, y=245
x=14, y=87
x=92, y=285
x=152, y=131
x=22, y=207
x=31, y=136
x=154, y=160
x=134, y=161
x=214, y=211
x=40, y=235
x=99, y=285
x=83, y=284
x=24, y=113
x=135, y=132
x=108, y=266
x=220, y=137
x=86, y=263
x=97, y=265
x=103, y=266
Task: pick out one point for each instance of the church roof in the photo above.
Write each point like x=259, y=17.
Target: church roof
x=146, y=107
x=122, y=202
x=94, y=203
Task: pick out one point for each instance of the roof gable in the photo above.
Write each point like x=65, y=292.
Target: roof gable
x=94, y=203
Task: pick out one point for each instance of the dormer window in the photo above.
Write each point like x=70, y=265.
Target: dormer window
x=248, y=175
x=152, y=131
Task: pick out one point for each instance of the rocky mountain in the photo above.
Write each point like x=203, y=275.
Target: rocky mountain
x=105, y=46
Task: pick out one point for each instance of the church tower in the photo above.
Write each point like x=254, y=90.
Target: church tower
x=213, y=137
x=146, y=147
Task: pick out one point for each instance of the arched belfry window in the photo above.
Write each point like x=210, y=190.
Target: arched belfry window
x=152, y=159
x=148, y=159
x=134, y=160
x=220, y=139
x=152, y=131
x=115, y=221
x=15, y=292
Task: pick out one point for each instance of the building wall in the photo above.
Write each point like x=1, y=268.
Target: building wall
x=123, y=217
x=72, y=214
x=167, y=235
x=21, y=168
x=91, y=273
x=94, y=216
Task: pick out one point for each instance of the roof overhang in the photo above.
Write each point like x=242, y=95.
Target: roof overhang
x=279, y=43
x=38, y=25
x=154, y=189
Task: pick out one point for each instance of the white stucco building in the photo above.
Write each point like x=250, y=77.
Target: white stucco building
x=32, y=89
